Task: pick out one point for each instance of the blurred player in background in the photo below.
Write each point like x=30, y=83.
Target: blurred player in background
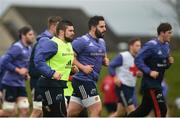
x=124, y=71
x=109, y=95
x=46, y=35
x=16, y=62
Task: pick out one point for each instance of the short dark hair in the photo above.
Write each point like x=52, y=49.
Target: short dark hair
x=63, y=25
x=94, y=21
x=134, y=40
x=53, y=20
x=24, y=30
x=163, y=27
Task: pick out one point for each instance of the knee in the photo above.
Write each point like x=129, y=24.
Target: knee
x=95, y=110
x=23, y=103
x=71, y=112
x=120, y=113
x=8, y=109
x=23, y=112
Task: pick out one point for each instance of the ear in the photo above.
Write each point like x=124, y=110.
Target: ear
x=93, y=28
x=61, y=32
x=22, y=36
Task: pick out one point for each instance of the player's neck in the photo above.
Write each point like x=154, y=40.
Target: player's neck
x=92, y=35
x=132, y=53
x=61, y=38
x=161, y=39
x=50, y=31
x=24, y=42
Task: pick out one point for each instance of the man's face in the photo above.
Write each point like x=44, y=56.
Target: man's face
x=53, y=28
x=69, y=33
x=29, y=37
x=167, y=35
x=100, y=29
x=136, y=47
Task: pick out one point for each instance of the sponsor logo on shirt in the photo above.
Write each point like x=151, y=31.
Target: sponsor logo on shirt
x=97, y=54
x=59, y=97
x=68, y=65
x=67, y=54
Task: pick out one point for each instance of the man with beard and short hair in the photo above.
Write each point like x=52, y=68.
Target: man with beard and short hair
x=53, y=59
x=90, y=52
x=16, y=62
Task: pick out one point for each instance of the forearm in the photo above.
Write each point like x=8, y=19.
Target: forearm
x=112, y=71
x=78, y=64
x=44, y=69
x=116, y=62
x=142, y=66
x=7, y=64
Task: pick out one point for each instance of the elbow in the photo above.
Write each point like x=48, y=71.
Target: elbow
x=137, y=63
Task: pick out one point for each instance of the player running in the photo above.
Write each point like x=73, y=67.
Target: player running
x=153, y=60
x=53, y=59
x=90, y=54
x=16, y=62
x=125, y=72
x=46, y=35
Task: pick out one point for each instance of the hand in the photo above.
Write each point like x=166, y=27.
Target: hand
x=1, y=97
x=57, y=76
x=154, y=74
x=87, y=69
x=139, y=74
x=117, y=81
x=171, y=60
x=74, y=69
x=106, y=61
x=28, y=77
x=1, y=94
x=22, y=71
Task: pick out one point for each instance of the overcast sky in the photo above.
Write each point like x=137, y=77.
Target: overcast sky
x=131, y=17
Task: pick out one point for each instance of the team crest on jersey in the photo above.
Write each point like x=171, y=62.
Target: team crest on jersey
x=91, y=44
x=96, y=98
x=164, y=61
x=159, y=52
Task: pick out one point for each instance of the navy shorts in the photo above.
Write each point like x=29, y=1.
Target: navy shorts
x=125, y=94
x=12, y=93
x=51, y=95
x=83, y=89
x=35, y=90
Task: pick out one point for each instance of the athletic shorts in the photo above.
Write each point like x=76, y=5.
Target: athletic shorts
x=125, y=94
x=84, y=92
x=11, y=93
x=35, y=91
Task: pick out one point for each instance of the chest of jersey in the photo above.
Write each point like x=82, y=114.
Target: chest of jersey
x=94, y=49
x=159, y=58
